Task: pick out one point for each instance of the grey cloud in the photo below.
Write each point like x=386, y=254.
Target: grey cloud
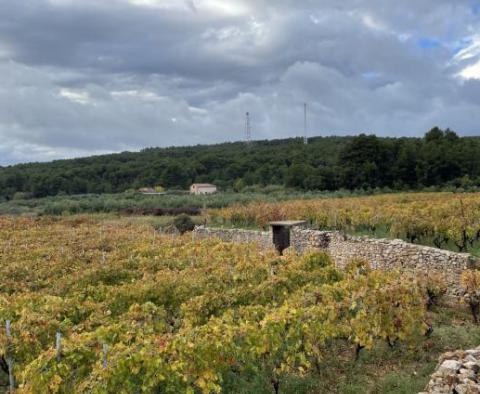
x=81, y=77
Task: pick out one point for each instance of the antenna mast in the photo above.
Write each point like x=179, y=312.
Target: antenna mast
x=248, y=129
x=305, y=138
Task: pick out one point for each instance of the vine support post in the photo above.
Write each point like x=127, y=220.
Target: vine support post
x=105, y=352
x=11, y=377
x=58, y=345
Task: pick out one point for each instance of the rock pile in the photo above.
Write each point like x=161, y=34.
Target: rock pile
x=457, y=373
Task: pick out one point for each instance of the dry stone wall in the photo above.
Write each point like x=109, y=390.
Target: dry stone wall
x=264, y=238
x=456, y=373
x=381, y=253
x=386, y=254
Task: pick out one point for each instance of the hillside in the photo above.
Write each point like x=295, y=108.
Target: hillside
x=326, y=163
x=174, y=167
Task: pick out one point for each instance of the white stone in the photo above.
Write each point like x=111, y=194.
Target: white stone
x=474, y=352
x=450, y=366
x=471, y=363
x=461, y=389
x=467, y=374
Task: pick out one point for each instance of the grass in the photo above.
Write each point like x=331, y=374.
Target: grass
x=400, y=370
x=408, y=370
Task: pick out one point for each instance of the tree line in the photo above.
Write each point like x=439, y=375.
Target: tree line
x=440, y=158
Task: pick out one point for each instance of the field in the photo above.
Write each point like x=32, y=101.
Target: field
x=142, y=312
x=117, y=203
x=444, y=220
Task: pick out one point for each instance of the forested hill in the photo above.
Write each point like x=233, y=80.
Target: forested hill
x=327, y=163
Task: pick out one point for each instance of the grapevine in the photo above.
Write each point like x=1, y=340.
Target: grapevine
x=178, y=315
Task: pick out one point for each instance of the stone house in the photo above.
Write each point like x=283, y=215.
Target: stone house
x=203, y=188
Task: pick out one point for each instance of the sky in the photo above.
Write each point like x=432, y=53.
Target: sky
x=85, y=77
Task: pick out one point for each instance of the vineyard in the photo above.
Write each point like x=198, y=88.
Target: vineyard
x=109, y=305
x=445, y=220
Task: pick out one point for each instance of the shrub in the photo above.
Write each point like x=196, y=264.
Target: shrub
x=316, y=260
x=357, y=267
x=471, y=284
x=22, y=196
x=183, y=223
x=191, y=211
x=434, y=287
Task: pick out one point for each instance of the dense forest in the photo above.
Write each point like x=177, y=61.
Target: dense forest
x=440, y=158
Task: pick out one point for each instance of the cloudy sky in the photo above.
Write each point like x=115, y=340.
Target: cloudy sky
x=82, y=77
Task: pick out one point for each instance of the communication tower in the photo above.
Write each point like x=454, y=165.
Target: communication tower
x=248, y=129
x=305, y=129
